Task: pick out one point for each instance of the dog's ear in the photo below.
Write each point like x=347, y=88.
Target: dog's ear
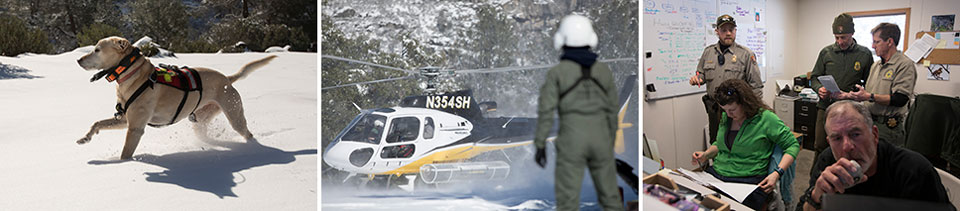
x=122, y=44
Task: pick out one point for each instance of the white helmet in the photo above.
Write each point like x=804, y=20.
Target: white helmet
x=575, y=31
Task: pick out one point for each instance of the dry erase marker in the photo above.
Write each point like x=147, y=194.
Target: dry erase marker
x=698, y=77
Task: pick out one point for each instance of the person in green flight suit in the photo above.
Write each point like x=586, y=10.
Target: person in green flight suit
x=849, y=64
x=581, y=90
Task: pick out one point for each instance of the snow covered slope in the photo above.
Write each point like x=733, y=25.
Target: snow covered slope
x=45, y=110
x=528, y=187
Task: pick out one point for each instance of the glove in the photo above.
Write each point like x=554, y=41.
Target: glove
x=541, y=157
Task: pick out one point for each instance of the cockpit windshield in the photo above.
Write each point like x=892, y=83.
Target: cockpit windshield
x=367, y=128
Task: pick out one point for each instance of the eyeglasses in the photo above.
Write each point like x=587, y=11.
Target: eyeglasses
x=726, y=95
x=730, y=91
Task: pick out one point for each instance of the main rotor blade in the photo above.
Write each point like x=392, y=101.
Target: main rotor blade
x=619, y=59
x=506, y=69
x=367, y=82
x=366, y=63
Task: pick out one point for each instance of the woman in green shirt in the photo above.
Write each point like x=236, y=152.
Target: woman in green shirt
x=746, y=138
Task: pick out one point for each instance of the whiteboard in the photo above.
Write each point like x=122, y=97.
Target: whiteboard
x=676, y=32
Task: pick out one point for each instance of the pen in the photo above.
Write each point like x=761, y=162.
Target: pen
x=701, y=165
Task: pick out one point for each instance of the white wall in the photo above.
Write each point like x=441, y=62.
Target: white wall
x=677, y=123
x=818, y=14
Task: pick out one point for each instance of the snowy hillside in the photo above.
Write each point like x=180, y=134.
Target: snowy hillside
x=485, y=34
x=47, y=103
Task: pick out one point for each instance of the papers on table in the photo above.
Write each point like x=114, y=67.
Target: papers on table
x=739, y=191
x=700, y=176
x=828, y=82
x=921, y=48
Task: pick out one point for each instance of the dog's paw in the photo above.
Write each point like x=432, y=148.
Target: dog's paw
x=83, y=140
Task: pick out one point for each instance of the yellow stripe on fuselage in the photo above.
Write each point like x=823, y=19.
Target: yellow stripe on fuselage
x=618, y=146
x=454, y=154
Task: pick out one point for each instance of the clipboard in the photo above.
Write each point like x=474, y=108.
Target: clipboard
x=831, y=84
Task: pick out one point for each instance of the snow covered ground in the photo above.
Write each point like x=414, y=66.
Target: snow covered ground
x=47, y=103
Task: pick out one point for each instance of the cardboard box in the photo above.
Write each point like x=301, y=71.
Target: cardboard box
x=715, y=203
x=660, y=178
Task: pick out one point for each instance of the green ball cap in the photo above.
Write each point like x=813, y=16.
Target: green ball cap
x=843, y=24
x=725, y=19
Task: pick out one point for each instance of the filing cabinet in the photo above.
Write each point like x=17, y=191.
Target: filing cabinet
x=805, y=121
x=783, y=107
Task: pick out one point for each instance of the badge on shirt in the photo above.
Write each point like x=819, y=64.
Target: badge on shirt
x=709, y=61
x=888, y=75
x=734, y=59
x=856, y=66
x=892, y=122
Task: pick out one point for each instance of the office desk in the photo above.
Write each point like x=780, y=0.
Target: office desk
x=652, y=203
x=858, y=202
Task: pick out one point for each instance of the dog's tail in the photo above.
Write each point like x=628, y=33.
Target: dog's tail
x=249, y=67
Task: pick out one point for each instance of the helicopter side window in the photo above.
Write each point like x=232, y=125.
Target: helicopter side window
x=398, y=151
x=428, y=128
x=403, y=129
x=368, y=129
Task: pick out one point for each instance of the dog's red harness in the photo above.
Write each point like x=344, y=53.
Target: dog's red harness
x=182, y=78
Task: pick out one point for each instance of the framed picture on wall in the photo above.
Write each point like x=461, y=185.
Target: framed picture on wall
x=942, y=23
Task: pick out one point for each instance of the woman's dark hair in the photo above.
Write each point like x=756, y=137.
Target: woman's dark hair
x=736, y=90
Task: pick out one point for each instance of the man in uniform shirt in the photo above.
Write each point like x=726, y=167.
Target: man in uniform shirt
x=889, y=86
x=848, y=63
x=887, y=171
x=581, y=90
x=722, y=61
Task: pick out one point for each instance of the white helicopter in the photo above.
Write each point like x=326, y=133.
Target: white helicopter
x=438, y=137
